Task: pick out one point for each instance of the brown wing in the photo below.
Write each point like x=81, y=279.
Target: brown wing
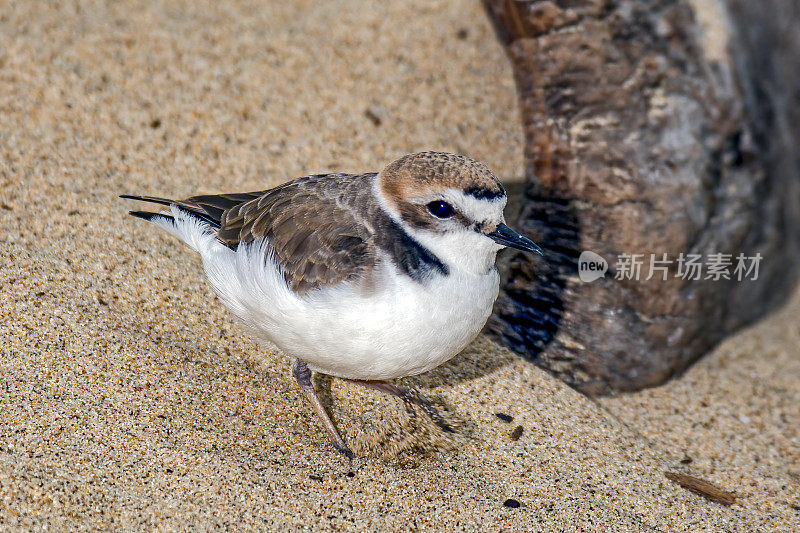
x=318, y=234
x=324, y=229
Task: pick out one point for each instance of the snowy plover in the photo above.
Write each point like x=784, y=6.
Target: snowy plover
x=365, y=277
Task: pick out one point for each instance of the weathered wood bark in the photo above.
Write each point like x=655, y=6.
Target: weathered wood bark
x=647, y=133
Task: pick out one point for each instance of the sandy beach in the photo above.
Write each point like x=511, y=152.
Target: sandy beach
x=130, y=397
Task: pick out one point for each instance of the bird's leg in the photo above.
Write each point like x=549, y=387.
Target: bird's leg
x=409, y=398
x=302, y=374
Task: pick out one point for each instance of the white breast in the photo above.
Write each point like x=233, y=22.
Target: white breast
x=405, y=328
x=398, y=328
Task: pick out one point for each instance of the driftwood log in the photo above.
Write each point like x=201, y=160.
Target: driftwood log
x=651, y=127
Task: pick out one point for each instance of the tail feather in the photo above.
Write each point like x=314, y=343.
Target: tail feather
x=187, y=226
x=151, y=199
x=217, y=204
x=185, y=205
x=149, y=216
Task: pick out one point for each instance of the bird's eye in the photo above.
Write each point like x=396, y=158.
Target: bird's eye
x=440, y=209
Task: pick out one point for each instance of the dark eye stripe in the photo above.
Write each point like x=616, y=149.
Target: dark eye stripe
x=419, y=217
x=484, y=193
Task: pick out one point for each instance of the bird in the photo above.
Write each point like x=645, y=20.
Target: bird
x=365, y=277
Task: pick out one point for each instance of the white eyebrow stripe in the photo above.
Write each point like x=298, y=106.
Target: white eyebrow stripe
x=476, y=209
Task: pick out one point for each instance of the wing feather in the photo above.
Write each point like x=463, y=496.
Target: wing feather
x=322, y=229
x=316, y=232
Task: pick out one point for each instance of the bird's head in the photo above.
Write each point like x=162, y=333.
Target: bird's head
x=452, y=205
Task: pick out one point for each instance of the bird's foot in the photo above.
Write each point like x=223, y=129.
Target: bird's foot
x=410, y=399
x=303, y=376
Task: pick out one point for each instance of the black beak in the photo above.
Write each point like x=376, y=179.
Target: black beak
x=508, y=237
